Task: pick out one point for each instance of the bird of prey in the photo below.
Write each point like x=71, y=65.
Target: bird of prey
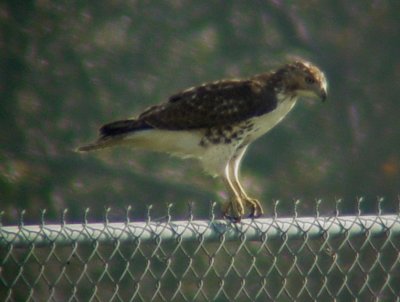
x=216, y=122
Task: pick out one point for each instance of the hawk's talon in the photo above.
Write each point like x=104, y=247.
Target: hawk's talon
x=253, y=216
x=232, y=218
x=236, y=208
x=236, y=214
x=255, y=207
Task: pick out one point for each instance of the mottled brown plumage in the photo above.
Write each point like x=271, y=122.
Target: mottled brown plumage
x=209, y=105
x=215, y=122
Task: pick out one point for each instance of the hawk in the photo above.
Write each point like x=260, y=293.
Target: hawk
x=216, y=122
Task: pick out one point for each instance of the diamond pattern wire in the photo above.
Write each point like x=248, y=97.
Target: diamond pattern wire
x=337, y=258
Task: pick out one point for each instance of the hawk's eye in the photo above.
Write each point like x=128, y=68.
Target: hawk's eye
x=310, y=80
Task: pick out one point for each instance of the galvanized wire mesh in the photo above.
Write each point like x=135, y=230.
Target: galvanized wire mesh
x=317, y=258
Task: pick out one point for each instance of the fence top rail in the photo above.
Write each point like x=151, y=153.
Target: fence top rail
x=204, y=230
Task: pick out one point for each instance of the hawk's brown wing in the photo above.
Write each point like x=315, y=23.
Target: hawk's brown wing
x=211, y=105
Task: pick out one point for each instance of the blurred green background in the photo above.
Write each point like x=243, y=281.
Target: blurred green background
x=67, y=67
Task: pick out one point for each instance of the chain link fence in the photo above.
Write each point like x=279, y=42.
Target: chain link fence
x=315, y=258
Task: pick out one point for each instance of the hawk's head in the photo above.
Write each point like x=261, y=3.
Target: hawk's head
x=303, y=79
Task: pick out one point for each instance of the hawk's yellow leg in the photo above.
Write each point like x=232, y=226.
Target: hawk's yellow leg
x=235, y=205
x=238, y=196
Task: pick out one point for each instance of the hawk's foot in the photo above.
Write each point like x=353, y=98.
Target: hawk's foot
x=232, y=218
x=233, y=210
x=255, y=207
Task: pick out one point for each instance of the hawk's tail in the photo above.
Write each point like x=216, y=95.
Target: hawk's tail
x=114, y=133
x=101, y=143
x=122, y=127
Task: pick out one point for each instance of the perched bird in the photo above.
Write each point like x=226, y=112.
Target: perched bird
x=216, y=122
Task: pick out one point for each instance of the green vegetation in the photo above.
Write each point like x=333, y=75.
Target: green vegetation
x=68, y=67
